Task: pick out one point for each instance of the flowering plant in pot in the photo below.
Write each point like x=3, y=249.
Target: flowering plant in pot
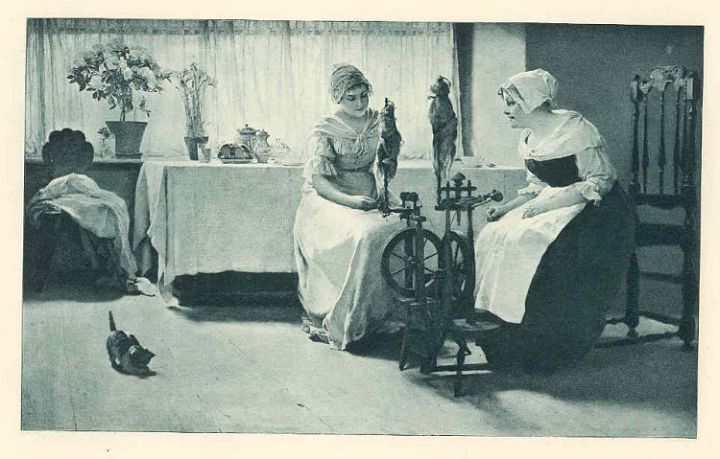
x=116, y=72
x=192, y=83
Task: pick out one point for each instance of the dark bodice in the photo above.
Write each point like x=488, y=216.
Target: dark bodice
x=555, y=172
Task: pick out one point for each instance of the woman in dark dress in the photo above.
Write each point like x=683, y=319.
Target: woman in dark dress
x=552, y=260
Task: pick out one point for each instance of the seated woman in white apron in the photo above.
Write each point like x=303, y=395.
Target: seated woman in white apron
x=553, y=259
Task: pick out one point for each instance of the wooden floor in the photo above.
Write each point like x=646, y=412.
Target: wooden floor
x=250, y=368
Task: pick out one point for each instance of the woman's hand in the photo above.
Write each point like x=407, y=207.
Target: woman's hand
x=362, y=203
x=327, y=189
x=533, y=209
x=494, y=213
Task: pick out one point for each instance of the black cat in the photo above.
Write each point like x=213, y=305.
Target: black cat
x=125, y=352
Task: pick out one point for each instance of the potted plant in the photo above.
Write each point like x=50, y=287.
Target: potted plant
x=192, y=83
x=117, y=72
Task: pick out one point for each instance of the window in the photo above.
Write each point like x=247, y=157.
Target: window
x=271, y=75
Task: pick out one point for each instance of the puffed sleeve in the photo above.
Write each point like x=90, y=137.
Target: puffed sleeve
x=322, y=157
x=596, y=172
x=535, y=185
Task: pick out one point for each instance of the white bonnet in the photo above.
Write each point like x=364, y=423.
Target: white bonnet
x=535, y=87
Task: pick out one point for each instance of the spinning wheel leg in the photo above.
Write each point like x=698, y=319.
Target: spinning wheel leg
x=461, y=353
x=404, y=350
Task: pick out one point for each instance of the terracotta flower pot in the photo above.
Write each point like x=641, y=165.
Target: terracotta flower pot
x=128, y=137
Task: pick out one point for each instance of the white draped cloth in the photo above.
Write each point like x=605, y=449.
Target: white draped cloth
x=98, y=211
x=508, y=251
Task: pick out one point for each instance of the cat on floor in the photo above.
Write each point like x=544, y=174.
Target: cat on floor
x=125, y=352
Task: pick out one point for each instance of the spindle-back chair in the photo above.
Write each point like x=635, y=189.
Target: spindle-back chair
x=670, y=97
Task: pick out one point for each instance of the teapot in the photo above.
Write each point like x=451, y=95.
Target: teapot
x=246, y=137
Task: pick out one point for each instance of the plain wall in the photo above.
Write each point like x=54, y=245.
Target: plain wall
x=594, y=65
x=487, y=55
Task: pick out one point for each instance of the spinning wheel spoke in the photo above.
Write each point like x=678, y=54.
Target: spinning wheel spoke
x=402, y=257
x=398, y=271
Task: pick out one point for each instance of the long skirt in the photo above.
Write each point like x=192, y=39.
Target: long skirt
x=576, y=280
x=338, y=252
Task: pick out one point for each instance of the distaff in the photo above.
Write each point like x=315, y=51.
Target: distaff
x=388, y=151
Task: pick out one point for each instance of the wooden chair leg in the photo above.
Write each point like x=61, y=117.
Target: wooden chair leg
x=48, y=237
x=687, y=325
x=632, y=318
x=41, y=272
x=686, y=332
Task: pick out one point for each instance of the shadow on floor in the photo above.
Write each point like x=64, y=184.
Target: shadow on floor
x=80, y=287
x=659, y=375
x=380, y=346
x=245, y=309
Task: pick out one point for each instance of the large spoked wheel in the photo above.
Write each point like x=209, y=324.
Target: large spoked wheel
x=463, y=271
x=399, y=261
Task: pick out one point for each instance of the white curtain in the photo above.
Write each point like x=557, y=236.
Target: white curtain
x=271, y=75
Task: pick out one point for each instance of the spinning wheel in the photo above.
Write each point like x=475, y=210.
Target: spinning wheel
x=399, y=261
x=436, y=278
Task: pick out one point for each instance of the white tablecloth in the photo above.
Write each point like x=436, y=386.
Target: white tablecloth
x=210, y=218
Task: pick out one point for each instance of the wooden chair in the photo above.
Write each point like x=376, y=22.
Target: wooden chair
x=675, y=95
x=66, y=152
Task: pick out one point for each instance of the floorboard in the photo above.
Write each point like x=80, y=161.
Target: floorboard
x=248, y=367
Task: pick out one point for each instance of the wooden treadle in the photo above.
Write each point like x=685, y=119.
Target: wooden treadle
x=478, y=326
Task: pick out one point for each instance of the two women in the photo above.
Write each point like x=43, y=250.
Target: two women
x=548, y=265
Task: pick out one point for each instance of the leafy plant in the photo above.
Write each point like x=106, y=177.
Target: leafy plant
x=115, y=72
x=192, y=83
